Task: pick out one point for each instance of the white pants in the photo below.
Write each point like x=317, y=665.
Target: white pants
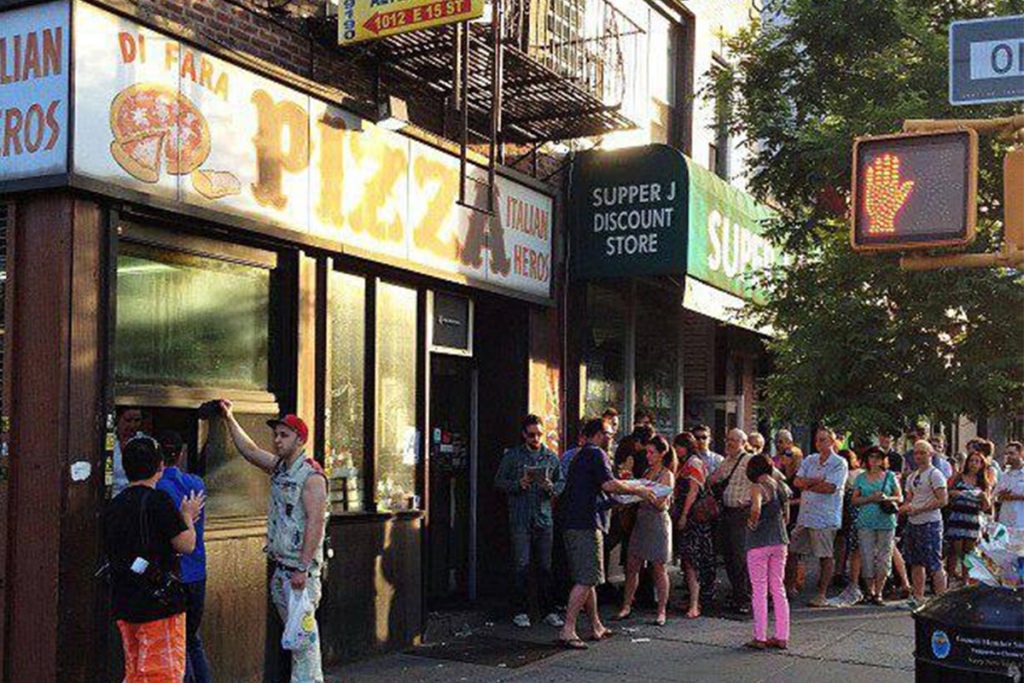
x=306, y=665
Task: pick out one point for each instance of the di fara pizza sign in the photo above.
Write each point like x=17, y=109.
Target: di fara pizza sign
x=157, y=118
x=34, y=64
x=629, y=213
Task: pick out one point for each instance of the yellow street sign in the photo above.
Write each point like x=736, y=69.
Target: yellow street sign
x=360, y=20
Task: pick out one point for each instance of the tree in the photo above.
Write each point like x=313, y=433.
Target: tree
x=862, y=344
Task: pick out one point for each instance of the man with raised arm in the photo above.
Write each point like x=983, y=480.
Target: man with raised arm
x=295, y=522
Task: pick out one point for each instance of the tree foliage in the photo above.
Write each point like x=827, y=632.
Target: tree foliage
x=862, y=344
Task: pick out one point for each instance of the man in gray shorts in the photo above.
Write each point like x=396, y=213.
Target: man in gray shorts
x=585, y=520
x=822, y=480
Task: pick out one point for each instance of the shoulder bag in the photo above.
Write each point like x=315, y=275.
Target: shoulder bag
x=718, y=488
x=163, y=588
x=887, y=507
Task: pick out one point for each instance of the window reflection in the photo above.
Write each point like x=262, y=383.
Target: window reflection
x=657, y=364
x=343, y=445
x=234, y=487
x=397, y=436
x=605, y=353
x=185, y=320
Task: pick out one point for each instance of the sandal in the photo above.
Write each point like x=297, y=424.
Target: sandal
x=660, y=621
x=572, y=644
x=817, y=603
x=756, y=644
x=692, y=616
x=623, y=616
x=605, y=635
x=778, y=644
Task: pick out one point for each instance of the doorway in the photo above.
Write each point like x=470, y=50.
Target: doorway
x=452, y=480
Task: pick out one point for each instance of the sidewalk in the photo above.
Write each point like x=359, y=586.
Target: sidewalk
x=869, y=644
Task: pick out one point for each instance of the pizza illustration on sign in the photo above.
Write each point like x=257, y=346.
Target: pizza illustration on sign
x=158, y=129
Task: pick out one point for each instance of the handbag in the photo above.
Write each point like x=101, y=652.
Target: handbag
x=705, y=509
x=887, y=507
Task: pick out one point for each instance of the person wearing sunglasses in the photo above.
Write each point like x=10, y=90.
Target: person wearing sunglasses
x=531, y=476
x=702, y=438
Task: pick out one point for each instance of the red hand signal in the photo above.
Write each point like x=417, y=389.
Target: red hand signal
x=884, y=194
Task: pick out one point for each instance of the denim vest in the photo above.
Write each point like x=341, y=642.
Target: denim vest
x=286, y=521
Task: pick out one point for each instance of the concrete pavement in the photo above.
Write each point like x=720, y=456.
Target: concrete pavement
x=870, y=644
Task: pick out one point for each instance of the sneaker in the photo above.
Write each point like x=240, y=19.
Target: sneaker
x=851, y=595
x=521, y=620
x=551, y=620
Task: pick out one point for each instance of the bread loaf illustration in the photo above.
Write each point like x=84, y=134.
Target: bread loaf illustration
x=215, y=184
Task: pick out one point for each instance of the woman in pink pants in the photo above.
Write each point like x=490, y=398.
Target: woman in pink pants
x=766, y=553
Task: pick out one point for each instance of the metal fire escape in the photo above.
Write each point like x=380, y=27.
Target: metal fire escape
x=534, y=71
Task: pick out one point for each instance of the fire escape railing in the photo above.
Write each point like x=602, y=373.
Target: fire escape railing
x=590, y=43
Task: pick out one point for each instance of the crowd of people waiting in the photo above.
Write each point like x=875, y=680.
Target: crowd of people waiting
x=875, y=520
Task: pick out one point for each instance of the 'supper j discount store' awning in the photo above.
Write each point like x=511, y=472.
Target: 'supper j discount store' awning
x=650, y=210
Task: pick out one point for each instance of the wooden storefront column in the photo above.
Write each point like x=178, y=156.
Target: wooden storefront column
x=51, y=629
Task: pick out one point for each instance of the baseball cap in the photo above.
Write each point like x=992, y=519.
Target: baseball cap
x=292, y=422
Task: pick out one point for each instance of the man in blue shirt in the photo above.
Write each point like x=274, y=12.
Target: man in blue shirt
x=821, y=480
x=585, y=519
x=179, y=484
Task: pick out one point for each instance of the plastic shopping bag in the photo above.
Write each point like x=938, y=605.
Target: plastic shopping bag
x=300, y=627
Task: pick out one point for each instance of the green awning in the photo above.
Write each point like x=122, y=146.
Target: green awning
x=650, y=210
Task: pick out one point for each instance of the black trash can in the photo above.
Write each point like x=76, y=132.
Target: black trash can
x=971, y=635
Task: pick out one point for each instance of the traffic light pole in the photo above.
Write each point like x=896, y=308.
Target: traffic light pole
x=1012, y=253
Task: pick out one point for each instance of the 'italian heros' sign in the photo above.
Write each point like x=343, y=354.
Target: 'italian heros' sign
x=914, y=190
x=360, y=20
x=630, y=213
x=34, y=91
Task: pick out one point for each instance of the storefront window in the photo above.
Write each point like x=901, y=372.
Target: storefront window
x=234, y=487
x=657, y=359
x=185, y=320
x=397, y=435
x=606, y=350
x=343, y=444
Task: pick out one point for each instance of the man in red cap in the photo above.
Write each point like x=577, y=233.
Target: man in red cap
x=295, y=522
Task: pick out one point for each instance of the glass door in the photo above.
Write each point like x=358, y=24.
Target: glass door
x=450, y=472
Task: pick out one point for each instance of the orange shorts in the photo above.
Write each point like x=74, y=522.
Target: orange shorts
x=154, y=652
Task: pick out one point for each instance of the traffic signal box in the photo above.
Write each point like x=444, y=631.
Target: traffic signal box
x=914, y=190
